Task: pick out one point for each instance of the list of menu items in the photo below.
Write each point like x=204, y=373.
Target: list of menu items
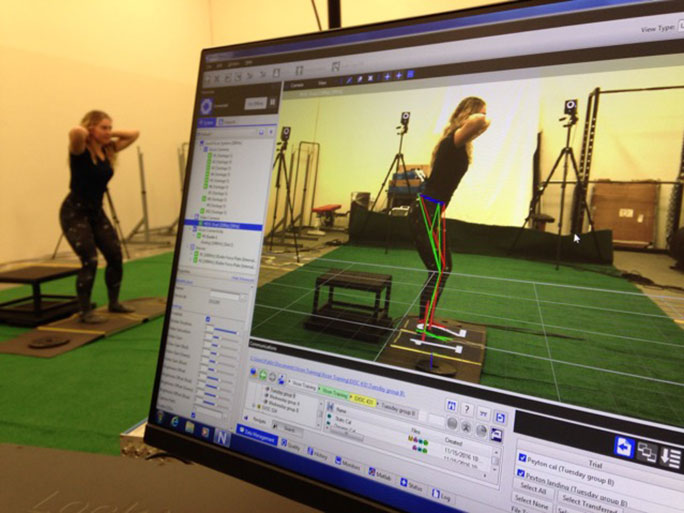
x=223, y=225
x=285, y=404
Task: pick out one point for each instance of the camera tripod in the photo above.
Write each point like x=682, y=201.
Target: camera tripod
x=568, y=157
x=398, y=163
x=282, y=170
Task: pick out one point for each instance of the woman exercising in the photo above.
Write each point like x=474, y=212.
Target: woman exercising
x=450, y=160
x=92, y=153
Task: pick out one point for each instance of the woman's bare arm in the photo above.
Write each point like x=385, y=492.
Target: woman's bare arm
x=124, y=138
x=78, y=138
x=472, y=128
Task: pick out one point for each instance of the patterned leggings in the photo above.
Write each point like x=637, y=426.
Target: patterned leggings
x=88, y=229
x=436, y=257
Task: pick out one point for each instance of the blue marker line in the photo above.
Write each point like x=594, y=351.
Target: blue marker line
x=431, y=199
x=226, y=331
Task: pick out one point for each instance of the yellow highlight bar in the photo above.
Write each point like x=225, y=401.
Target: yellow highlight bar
x=362, y=399
x=69, y=330
x=435, y=355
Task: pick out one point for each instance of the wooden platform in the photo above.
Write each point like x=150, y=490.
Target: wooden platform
x=460, y=346
x=38, y=308
x=78, y=333
x=352, y=320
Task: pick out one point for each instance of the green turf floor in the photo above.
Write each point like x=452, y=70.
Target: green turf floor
x=83, y=399
x=577, y=335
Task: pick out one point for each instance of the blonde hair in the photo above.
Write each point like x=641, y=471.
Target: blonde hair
x=466, y=108
x=93, y=118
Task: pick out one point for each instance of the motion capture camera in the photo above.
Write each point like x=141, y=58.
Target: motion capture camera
x=285, y=134
x=404, y=120
x=570, y=111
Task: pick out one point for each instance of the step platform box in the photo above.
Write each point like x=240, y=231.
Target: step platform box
x=356, y=320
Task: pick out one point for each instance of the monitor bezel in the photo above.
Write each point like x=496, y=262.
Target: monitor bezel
x=298, y=487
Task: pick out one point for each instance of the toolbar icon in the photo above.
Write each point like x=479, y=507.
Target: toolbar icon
x=624, y=447
x=647, y=452
x=206, y=106
x=671, y=458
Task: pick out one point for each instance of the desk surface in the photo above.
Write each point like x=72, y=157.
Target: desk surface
x=36, y=479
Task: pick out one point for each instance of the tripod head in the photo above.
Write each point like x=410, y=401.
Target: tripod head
x=284, y=137
x=403, y=123
x=570, y=111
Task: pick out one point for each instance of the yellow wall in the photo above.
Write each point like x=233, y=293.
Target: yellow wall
x=638, y=134
x=359, y=141
x=136, y=60
x=238, y=22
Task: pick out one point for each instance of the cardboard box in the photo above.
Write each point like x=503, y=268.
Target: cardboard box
x=628, y=209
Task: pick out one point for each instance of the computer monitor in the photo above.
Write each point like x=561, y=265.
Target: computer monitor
x=392, y=285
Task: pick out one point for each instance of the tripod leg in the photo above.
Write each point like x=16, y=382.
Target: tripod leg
x=395, y=162
x=534, y=201
x=288, y=203
x=583, y=199
x=277, y=197
x=59, y=241
x=403, y=165
x=372, y=207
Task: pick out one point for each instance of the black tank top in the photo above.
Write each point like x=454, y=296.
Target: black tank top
x=89, y=180
x=451, y=163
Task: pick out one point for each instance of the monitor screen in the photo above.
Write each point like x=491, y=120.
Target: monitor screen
x=393, y=284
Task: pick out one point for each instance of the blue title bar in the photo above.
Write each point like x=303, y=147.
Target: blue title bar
x=256, y=434
x=224, y=224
